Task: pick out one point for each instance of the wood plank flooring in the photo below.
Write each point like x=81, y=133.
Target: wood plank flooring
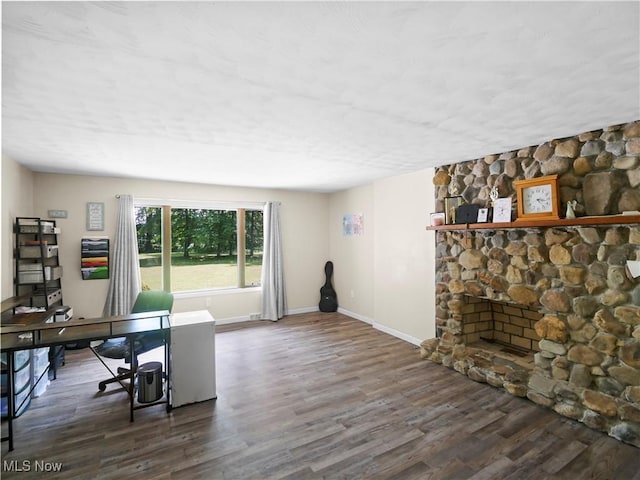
x=314, y=396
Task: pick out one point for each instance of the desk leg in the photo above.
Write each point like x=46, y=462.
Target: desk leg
x=134, y=368
x=167, y=362
x=10, y=399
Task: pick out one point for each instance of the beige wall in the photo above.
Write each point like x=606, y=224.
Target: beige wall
x=17, y=201
x=304, y=225
x=352, y=256
x=404, y=256
x=384, y=277
x=387, y=276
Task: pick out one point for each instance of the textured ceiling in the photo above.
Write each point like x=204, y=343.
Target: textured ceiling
x=312, y=96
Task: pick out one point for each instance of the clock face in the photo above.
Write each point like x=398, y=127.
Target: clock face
x=537, y=199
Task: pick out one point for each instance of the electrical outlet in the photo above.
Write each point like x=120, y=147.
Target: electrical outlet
x=254, y=316
x=352, y=294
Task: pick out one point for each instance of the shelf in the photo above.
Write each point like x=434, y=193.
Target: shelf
x=563, y=222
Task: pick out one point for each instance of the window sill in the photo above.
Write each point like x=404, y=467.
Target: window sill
x=216, y=291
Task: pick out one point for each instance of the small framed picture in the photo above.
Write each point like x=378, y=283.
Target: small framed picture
x=450, y=205
x=502, y=210
x=95, y=216
x=483, y=215
x=437, y=219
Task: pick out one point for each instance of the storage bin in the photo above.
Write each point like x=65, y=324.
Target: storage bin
x=32, y=227
x=30, y=267
x=38, y=297
x=40, y=360
x=30, y=277
x=22, y=396
x=46, y=251
x=20, y=359
x=34, y=275
x=22, y=377
x=39, y=388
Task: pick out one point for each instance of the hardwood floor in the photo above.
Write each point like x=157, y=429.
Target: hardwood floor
x=312, y=396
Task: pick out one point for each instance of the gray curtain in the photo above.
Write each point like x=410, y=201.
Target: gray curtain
x=124, y=269
x=274, y=300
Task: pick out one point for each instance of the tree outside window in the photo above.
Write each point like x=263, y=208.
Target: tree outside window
x=202, y=246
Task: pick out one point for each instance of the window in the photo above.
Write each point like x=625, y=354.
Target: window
x=185, y=249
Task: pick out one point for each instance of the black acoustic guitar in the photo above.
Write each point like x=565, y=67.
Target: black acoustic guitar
x=328, y=297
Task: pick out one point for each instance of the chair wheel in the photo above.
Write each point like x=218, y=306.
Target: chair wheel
x=102, y=386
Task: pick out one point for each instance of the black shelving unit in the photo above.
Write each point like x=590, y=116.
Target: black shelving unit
x=38, y=273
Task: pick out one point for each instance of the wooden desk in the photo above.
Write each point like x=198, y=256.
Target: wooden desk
x=29, y=330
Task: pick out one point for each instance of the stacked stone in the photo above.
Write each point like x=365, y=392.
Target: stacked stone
x=599, y=169
x=588, y=364
x=479, y=365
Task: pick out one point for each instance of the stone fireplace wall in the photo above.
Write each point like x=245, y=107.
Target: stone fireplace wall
x=587, y=360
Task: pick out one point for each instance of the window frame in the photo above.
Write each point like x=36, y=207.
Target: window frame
x=166, y=240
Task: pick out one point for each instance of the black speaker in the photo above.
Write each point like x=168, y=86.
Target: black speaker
x=467, y=213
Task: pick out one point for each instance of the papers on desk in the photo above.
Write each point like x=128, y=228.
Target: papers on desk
x=24, y=309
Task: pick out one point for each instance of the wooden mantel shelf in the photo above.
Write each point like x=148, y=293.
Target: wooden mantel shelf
x=563, y=222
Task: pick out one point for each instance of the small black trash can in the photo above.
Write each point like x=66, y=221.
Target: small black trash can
x=150, y=382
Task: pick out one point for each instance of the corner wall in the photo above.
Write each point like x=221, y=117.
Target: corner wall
x=17, y=201
x=387, y=276
x=404, y=256
x=352, y=256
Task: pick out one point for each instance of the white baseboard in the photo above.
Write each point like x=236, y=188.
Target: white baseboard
x=256, y=316
x=395, y=333
x=225, y=321
x=357, y=316
x=295, y=311
x=383, y=328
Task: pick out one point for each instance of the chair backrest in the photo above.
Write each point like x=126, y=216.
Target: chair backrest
x=153, y=300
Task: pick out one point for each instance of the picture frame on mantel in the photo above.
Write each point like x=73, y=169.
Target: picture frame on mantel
x=95, y=216
x=483, y=215
x=502, y=210
x=450, y=206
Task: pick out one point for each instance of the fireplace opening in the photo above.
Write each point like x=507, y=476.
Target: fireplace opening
x=502, y=328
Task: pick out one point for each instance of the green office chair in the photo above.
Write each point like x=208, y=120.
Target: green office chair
x=119, y=348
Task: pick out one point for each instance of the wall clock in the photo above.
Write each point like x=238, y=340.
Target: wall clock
x=538, y=198
x=502, y=210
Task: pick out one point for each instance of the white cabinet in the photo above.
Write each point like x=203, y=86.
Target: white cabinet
x=193, y=357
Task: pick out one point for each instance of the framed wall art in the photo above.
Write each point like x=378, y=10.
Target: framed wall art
x=95, y=216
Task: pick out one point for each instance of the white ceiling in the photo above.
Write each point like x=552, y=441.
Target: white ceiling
x=306, y=95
